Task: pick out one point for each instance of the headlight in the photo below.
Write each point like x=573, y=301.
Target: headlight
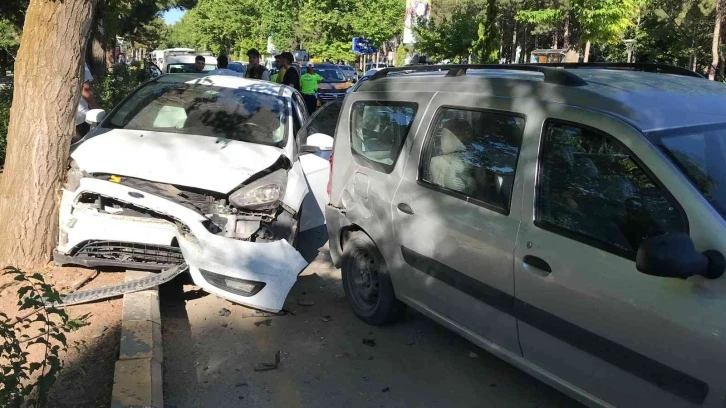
x=74, y=176
x=263, y=194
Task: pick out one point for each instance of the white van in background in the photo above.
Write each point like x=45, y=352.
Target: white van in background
x=181, y=60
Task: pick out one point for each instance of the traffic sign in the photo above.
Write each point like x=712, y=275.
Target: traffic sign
x=363, y=46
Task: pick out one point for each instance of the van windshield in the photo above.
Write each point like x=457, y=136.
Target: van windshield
x=700, y=153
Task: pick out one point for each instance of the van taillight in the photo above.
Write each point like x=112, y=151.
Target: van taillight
x=330, y=177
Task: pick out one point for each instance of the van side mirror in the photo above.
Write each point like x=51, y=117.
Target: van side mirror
x=674, y=256
x=95, y=116
x=317, y=142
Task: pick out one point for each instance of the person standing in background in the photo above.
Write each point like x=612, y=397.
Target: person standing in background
x=87, y=102
x=309, y=88
x=292, y=77
x=222, y=63
x=254, y=69
x=199, y=63
x=281, y=72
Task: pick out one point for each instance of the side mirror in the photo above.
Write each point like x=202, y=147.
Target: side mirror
x=674, y=256
x=317, y=142
x=95, y=116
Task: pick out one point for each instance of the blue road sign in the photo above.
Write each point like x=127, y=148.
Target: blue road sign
x=363, y=46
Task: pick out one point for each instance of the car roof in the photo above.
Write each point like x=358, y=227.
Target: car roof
x=229, y=81
x=646, y=100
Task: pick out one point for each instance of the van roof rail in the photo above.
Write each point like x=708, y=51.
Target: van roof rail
x=552, y=75
x=655, y=68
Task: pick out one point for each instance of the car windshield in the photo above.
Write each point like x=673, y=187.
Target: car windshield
x=204, y=110
x=330, y=74
x=700, y=153
x=187, y=68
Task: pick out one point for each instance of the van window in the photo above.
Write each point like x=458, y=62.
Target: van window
x=378, y=130
x=474, y=153
x=591, y=189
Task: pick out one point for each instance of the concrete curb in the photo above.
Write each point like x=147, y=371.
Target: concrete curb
x=137, y=378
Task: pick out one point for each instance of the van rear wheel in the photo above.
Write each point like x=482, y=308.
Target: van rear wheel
x=367, y=284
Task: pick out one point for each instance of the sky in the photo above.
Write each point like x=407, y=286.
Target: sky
x=173, y=15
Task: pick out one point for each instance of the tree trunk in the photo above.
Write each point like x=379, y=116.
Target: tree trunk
x=41, y=126
x=566, y=36
x=97, y=48
x=586, y=57
x=716, y=41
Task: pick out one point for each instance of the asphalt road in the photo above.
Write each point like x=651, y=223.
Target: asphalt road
x=209, y=359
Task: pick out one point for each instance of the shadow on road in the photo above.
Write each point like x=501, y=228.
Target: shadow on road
x=210, y=359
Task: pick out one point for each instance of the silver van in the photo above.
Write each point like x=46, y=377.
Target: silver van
x=569, y=220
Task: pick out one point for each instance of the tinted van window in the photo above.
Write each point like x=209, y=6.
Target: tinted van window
x=474, y=153
x=593, y=190
x=378, y=130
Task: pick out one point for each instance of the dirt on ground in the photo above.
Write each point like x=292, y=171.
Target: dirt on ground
x=87, y=377
x=219, y=354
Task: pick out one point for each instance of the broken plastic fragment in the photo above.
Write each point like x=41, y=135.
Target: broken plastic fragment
x=269, y=366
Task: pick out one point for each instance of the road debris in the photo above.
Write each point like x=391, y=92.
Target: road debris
x=241, y=384
x=224, y=312
x=369, y=342
x=370, y=358
x=343, y=354
x=473, y=354
x=266, y=322
x=326, y=318
x=305, y=302
x=386, y=389
x=269, y=366
x=224, y=324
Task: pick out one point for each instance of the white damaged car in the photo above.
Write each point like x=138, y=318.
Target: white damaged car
x=202, y=170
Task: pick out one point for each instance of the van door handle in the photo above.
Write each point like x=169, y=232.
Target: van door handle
x=405, y=208
x=538, y=263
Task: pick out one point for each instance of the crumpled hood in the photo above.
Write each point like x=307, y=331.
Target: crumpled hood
x=207, y=163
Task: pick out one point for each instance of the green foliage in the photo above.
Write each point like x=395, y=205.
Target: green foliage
x=48, y=326
x=115, y=86
x=598, y=21
x=401, y=53
x=9, y=36
x=469, y=29
x=6, y=99
x=323, y=27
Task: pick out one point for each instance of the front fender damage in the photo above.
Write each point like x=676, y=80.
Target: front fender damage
x=242, y=256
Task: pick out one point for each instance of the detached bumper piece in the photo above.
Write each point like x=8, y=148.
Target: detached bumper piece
x=122, y=254
x=106, y=292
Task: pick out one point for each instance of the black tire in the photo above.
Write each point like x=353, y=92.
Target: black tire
x=367, y=284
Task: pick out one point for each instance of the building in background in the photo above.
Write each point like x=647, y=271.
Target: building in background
x=414, y=9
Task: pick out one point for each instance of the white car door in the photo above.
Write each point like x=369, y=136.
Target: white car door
x=316, y=165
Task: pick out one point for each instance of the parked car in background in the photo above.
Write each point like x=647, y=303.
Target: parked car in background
x=238, y=66
x=372, y=65
x=349, y=72
x=202, y=171
x=598, y=192
x=334, y=83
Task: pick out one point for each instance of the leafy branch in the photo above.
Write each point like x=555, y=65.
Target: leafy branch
x=17, y=383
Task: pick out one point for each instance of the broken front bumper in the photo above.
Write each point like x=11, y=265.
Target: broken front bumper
x=256, y=274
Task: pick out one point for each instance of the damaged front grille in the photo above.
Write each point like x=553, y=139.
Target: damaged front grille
x=129, y=253
x=204, y=202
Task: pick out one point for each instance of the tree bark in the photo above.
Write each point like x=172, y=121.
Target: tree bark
x=716, y=41
x=97, y=59
x=41, y=126
x=586, y=57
